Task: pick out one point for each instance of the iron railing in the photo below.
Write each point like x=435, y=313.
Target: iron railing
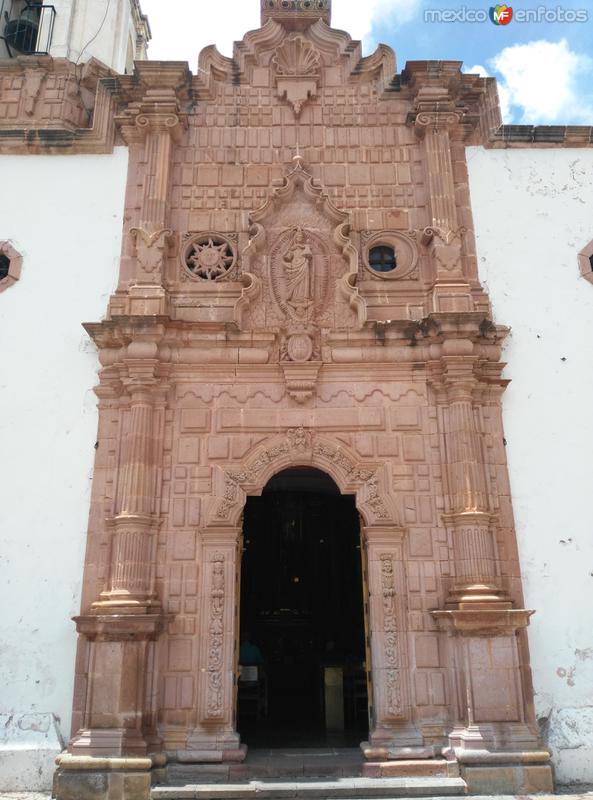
x=28, y=31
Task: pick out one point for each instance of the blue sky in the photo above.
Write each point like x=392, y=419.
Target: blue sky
x=544, y=69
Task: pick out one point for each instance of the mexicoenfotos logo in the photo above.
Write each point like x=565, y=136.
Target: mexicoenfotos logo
x=501, y=14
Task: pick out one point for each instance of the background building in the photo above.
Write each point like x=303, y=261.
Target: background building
x=72, y=197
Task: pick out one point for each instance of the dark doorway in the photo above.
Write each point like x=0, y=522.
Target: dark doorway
x=303, y=679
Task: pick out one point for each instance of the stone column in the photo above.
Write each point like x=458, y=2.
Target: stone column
x=495, y=723
x=127, y=614
x=468, y=514
x=215, y=737
x=131, y=576
x=393, y=734
x=435, y=115
x=151, y=128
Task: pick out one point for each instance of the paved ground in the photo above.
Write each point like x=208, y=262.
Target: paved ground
x=576, y=795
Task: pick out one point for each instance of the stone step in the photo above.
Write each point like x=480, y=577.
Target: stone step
x=280, y=767
x=340, y=789
x=410, y=768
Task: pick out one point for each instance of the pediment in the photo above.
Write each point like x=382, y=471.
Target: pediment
x=258, y=56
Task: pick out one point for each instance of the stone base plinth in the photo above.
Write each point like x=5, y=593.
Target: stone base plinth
x=213, y=756
x=507, y=773
x=411, y=768
x=87, y=778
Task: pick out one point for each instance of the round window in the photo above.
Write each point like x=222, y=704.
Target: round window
x=382, y=258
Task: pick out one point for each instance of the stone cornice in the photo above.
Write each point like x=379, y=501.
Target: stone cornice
x=539, y=136
x=80, y=115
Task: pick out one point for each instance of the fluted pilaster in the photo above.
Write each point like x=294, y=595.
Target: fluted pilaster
x=468, y=517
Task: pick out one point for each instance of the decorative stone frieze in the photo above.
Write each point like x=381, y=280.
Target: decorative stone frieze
x=296, y=13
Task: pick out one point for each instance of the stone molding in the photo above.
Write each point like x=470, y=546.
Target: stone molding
x=301, y=447
x=80, y=120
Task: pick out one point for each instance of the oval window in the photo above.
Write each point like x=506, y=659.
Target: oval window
x=382, y=258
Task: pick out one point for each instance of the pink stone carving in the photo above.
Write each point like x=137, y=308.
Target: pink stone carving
x=214, y=378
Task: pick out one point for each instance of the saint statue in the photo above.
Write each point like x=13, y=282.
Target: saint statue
x=298, y=260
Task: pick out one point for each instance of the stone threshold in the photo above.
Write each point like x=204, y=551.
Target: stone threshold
x=341, y=789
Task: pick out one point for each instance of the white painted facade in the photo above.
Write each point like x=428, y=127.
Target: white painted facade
x=532, y=213
x=112, y=31
x=64, y=214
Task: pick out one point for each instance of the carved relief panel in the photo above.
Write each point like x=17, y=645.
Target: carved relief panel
x=302, y=263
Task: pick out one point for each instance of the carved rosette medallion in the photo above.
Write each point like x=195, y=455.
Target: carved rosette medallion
x=392, y=657
x=208, y=256
x=214, y=703
x=299, y=274
x=299, y=347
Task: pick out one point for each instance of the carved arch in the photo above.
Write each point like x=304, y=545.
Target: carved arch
x=301, y=447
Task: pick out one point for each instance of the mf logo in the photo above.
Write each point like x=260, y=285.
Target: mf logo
x=501, y=14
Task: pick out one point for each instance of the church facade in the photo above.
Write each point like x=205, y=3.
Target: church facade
x=298, y=293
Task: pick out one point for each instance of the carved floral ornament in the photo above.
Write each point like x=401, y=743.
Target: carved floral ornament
x=302, y=447
x=214, y=704
x=392, y=646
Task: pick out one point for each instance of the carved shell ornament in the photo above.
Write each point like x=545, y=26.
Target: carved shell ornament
x=296, y=57
x=209, y=256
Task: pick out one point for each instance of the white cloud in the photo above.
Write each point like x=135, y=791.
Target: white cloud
x=503, y=91
x=358, y=18
x=181, y=28
x=540, y=79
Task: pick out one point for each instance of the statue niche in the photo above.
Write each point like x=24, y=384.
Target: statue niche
x=300, y=267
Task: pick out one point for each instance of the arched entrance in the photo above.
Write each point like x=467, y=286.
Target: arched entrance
x=392, y=726
x=303, y=677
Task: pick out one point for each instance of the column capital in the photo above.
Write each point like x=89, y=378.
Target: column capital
x=136, y=127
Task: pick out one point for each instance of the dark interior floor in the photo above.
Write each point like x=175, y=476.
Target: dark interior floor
x=267, y=735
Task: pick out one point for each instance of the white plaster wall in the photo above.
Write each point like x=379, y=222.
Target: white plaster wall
x=64, y=215
x=533, y=212
x=102, y=29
